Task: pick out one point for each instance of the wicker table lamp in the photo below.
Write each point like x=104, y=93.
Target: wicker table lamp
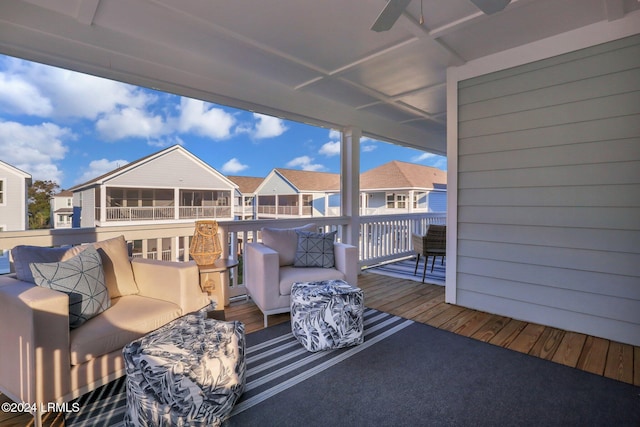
x=205, y=246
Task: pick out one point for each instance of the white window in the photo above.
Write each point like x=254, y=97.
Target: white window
x=396, y=200
x=2, y=192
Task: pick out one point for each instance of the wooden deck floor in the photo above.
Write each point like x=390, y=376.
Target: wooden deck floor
x=425, y=303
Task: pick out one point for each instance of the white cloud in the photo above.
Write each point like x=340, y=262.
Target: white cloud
x=335, y=134
x=331, y=148
x=233, y=166
x=422, y=157
x=305, y=163
x=98, y=168
x=73, y=94
x=130, y=122
x=21, y=97
x=263, y=127
x=368, y=148
x=198, y=117
x=268, y=127
x=431, y=159
x=35, y=149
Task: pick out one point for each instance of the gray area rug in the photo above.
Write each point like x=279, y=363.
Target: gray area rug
x=404, y=270
x=405, y=374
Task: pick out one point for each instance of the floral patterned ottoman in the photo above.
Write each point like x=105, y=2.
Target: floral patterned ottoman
x=327, y=314
x=189, y=372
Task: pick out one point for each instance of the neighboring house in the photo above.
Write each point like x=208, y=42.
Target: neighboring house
x=400, y=187
x=14, y=183
x=62, y=209
x=393, y=188
x=245, y=198
x=287, y=193
x=172, y=185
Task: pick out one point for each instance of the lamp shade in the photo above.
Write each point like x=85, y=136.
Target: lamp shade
x=205, y=245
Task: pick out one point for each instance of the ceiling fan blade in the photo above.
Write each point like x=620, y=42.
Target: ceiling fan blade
x=390, y=15
x=491, y=6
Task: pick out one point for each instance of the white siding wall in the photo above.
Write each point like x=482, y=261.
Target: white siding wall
x=13, y=211
x=276, y=185
x=86, y=201
x=174, y=169
x=549, y=191
x=437, y=201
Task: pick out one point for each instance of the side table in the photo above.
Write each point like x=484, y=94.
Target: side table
x=214, y=279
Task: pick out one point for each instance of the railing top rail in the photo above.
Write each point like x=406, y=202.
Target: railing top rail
x=396, y=217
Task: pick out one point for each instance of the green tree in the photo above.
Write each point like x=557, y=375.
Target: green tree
x=39, y=206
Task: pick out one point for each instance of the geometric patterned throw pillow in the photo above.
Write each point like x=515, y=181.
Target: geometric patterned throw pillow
x=80, y=277
x=315, y=250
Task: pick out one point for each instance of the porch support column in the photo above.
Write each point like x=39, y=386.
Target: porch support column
x=103, y=205
x=350, y=183
x=176, y=203
x=410, y=199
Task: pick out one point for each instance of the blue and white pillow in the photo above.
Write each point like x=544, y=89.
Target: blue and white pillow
x=315, y=250
x=80, y=277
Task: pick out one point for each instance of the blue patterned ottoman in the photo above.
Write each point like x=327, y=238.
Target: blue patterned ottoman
x=327, y=314
x=189, y=372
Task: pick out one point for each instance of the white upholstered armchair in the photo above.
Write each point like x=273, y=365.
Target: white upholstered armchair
x=275, y=264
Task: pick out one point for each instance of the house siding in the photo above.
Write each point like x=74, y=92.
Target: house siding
x=276, y=185
x=13, y=211
x=436, y=202
x=85, y=200
x=548, y=219
x=174, y=167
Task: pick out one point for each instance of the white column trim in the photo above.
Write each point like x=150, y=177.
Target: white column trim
x=350, y=183
x=450, y=294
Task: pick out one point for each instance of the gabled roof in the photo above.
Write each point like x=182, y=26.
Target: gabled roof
x=129, y=166
x=246, y=184
x=15, y=170
x=311, y=180
x=64, y=193
x=396, y=174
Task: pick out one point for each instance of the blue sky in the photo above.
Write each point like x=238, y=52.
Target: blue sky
x=69, y=127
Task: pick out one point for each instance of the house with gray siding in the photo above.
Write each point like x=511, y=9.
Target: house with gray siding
x=172, y=185
x=14, y=183
x=289, y=193
x=61, y=209
x=401, y=187
x=545, y=157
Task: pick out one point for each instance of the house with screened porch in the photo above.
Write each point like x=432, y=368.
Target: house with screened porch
x=172, y=185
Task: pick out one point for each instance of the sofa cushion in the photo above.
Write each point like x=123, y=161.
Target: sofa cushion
x=315, y=249
x=82, y=279
x=117, y=266
x=23, y=255
x=284, y=241
x=289, y=275
x=129, y=318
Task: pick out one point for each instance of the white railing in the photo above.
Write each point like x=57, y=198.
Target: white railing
x=284, y=210
x=150, y=213
x=382, y=238
x=387, y=237
x=163, y=213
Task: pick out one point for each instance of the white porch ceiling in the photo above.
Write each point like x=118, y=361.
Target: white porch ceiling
x=310, y=61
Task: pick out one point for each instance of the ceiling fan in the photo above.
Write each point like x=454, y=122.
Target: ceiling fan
x=394, y=9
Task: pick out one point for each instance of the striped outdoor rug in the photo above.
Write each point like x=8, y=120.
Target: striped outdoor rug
x=275, y=362
x=404, y=270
